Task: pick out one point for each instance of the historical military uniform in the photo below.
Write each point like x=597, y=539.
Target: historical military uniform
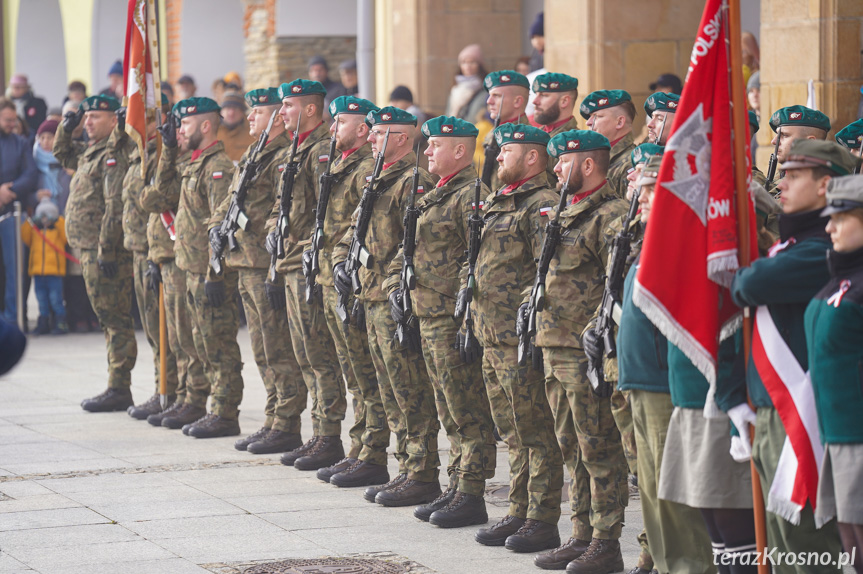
x=94, y=215
x=494, y=80
x=268, y=327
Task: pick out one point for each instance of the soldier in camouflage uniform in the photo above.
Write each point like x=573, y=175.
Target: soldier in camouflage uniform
x=441, y=245
x=94, y=225
x=303, y=108
x=611, y=113
x=851, y=137
x=211, y=299
x=584, y=424
x=263, y=301
x=660, y=108
x=553, y=107
x=365, y=463
x=511, y=240
x=406, y=391
x=508, y=93
x=794, y=123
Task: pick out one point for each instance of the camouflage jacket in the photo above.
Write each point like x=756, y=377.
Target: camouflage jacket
x=576, y=275
x=619, y=164
x=155, y=202
x=442, y=242
x=489, y=139
x=94, y=210
x=312, y=160
x=203, y=185
x=344, y=198
x=386, y=228
x=134, y=215
x=252, y=252
x=506, y=265
x=572, y=124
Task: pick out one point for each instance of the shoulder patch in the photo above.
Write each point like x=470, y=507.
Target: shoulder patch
x=324, y=158
x=473, y=205
x=282, y=167
x=217, y=175
x=545, y=211
x=110, y=162
x=420, y=190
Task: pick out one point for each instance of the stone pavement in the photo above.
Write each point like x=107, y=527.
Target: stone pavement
x=104, y=493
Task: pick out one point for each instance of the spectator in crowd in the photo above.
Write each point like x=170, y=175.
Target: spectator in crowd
x=27, y=105
x=76, y=92
x=12, y=345
x=467, y=97
x=522, y=65
x=55, y=114
x=45, y=235
x=751, y=55
x=186, y=87
x=168, y=90
x=234, y=130
x=218, y=88
x=402, y=98
x=18, y=177
x=22, y=129
x=668, y=83
x=753, y=93
x=115, y=81
x=233, y=82
x=348, y=76
x=537, y=40
x=53, y=178
x=319, y=71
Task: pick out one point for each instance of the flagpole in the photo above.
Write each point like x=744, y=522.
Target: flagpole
x=738, y=125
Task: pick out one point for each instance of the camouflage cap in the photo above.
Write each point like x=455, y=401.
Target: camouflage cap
x=263, y=97
x=390, y=115
x=505, y=78
x=576, y=141
x=661, y=102
x=643, y=152
x=844, y=194
x=650, y=173
x=601, y=99
x=99, y=104
x=799, y=116
x=351, y=105
x=754, y=124
x=553, y=82
x=300, y=87
x=520, y=133
x=807, y=153
x=851, y=136
x=194, y=107
x=448, y=126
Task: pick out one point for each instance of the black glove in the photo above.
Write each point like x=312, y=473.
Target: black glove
x=108, y=268
x=276, y=296
x=521, y=320
x=169, y=131
x=591, y=343
x=215, y=291
x=461, y=303
x=307, y=263
x=217, y=242
x=469, y=348
x=411, y=340
x=272, y=242
x=341, y=279
x=536, y=357
x=153, y=276
x=72, y=119
x=358, y=316
x=397, y=309
x=121, y=118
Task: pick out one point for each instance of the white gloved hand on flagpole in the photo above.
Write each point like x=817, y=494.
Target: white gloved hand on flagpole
x=742, y=416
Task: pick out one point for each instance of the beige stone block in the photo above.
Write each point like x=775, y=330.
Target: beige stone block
x=611, y=75
x=650, y=19
x=849, y=8
x=644, y=61
x=785, y=10
x=846, y=50
x=470, y=5
x=797, y=60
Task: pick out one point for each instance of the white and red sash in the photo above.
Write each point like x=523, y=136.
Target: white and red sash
x=168, y=221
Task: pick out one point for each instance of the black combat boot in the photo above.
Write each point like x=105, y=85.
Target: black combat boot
x=156, y=419
x=372, y=492
x=152, y=406
x=276, y=441
x=409, y=493
x=558, y=558
x=361, y=474
x=111, y=400
x=327, y=472
x=464, y=510
x=425, y=511
x=213, y=426
x=533, y=536
x=327, y=451
x=601, y=557
x=186, y=414
x=244, y=442
x=290, y=457
x=497, y=534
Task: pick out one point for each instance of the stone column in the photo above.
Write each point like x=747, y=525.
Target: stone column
x=259, y=27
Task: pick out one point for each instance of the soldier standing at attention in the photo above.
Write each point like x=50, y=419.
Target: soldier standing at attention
x=264, y=303
x=406, y=390
x=553, y=106
x=203, y=185
x=94, y=224
x=851, y=137
x=508, y=94
x=790, y=124
x=660, y=108
x=611, y=113
x=442, y=242
x=506, y=266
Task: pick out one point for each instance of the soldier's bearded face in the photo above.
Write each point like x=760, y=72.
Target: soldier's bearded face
x=511, y=165
x=655, y=125
x=98, y=125
x=546, y=108
x=569, y=164
x=346, y=127
x=190, y=129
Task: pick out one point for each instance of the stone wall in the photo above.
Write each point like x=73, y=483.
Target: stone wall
x=293, y=54
x=260, y=46
x=173, y=12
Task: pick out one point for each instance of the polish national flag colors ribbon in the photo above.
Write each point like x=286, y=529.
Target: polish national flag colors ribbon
x=690, y=249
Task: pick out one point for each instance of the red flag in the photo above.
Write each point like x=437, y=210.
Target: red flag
x=141, y=65
x=690, y=249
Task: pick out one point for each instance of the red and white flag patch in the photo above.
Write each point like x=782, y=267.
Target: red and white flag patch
x=324, y=158
x=111, y=162
x=420, y=189
x=217, y=175
x=473, y=205
x=545, y=211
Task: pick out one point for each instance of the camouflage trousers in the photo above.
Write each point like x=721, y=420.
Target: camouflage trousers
x=280, y=372
x=407, y=395
x=520, y=411
x=622, y=413
x=591, y=446
x=112, y=302
x=370, y=435
x=148, y=307
x=215, y=333
x=316, y=356
x=192, y=384
x=462, y=406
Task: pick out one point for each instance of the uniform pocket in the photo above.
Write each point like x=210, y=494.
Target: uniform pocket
x=503, y=223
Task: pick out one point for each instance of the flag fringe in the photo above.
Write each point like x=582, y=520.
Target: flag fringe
x=721, y=267
x=785, y=509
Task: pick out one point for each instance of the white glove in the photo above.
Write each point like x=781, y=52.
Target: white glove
x=742, y=416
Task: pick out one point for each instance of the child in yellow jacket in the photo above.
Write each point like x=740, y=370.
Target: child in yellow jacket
x=45, y=234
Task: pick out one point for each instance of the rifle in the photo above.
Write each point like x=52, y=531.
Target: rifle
x=475, y=224
x=408, y=280
x=357, y=252
x=771, y=167
x=536, y=302
x=286, y=198
x=611, y=295
x=236, y=218
x=326, y=186
x=491, y=150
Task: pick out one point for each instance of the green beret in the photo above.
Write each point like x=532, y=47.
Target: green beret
x=601, y=99
x=519, y=133
x=661, y=102
x=643, y=152
x=99, y=104
x=195, y=106
x=754, y=124
x=799, y=116
x=165, y=101
x=575, y=141
x=448, y=126
x=505, y=78
x=390, y=115
x=552, y=82
x=263, y=97
x=301, y=87
x=851, y=136
x=351, y=105
x=808, y=153
x=843, y=194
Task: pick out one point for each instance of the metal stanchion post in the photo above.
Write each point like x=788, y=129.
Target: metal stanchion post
x=19, y=265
